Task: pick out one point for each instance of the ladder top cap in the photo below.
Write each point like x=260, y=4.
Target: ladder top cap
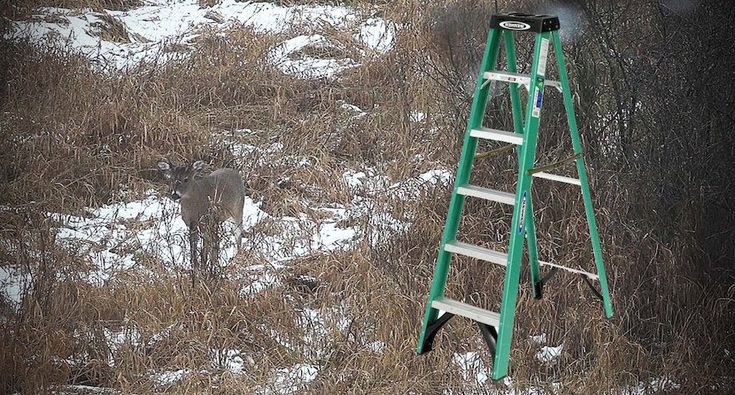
x=516, y=21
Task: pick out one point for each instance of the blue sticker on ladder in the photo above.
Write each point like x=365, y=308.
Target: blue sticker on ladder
x=523, y=213
x=539, y=98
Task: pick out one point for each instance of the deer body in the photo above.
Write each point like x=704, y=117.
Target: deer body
x=206, y=202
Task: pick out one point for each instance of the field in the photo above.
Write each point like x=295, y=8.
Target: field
x=346, y=121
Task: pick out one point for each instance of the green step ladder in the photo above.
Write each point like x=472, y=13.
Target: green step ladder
x=497, y=329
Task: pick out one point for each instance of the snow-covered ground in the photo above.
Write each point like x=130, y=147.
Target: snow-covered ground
x=121, y=238
x=118, y=237
x=13, y=282
x=124, y=237
x=117, y=40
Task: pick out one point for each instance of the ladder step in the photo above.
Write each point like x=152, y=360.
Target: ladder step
x=497, y=135
x=524, y=79
x=501, y=258
x=465, y=310
x=554, y=177
x=457, y=247
x=487, y=194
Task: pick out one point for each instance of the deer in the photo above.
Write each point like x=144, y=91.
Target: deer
x=206, y=202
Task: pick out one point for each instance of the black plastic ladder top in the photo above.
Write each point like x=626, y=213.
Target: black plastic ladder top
x=516, y=21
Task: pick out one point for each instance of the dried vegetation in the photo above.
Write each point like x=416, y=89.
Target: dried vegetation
x=72, y=138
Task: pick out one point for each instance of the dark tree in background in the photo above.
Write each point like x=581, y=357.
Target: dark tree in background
x=671, y=70
x=655, y=83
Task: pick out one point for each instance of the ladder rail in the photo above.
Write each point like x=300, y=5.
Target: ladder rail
x=441, y=268
x=515, y=101
x=582, y=172
x=523, y=184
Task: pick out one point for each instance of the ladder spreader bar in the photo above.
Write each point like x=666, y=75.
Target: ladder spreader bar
x=589, y=275
x=457, y=247
x=523, y=79
x=497, y=135
x=501, y=258
x=555, y=177
x=487, y=194
x=465, y=310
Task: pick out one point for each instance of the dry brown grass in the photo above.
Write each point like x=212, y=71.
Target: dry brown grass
x=72, y=138
x=117, y=5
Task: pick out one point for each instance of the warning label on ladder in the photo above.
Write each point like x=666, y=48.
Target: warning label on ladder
x=543, y=56
x=538, y=97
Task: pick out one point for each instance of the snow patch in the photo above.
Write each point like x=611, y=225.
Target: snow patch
x=413, y=187
x=13, y=283
x=471, y=367
x=304, y=66
x=377, y=34
x=123, y=39
x=116, y=340
x=373, y=183
x=356, y=111
x=538, y=339
x=417, y=116
x=370, y=188
x=168, y=378
x=655, y=385
x=116, y=236
x=376, y=346
x=231, y=360
x=548, y=354
x=260, y=281
x=75, y=389
x=293, y=379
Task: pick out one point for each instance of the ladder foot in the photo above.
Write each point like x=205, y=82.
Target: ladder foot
x=592, y=288
x=538, y=287
x=490, y=335
x=538, y=290
x=495, y=380
x=431, y=331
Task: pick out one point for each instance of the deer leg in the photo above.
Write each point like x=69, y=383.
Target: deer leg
x=193, y=236
x=214, y=265
x=238, y=235
x=205, y=250
x=238, y=221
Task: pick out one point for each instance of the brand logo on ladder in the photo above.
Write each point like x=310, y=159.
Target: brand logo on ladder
x=513, y=25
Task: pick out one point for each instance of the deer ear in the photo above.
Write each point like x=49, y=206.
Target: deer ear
x=198, y=166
